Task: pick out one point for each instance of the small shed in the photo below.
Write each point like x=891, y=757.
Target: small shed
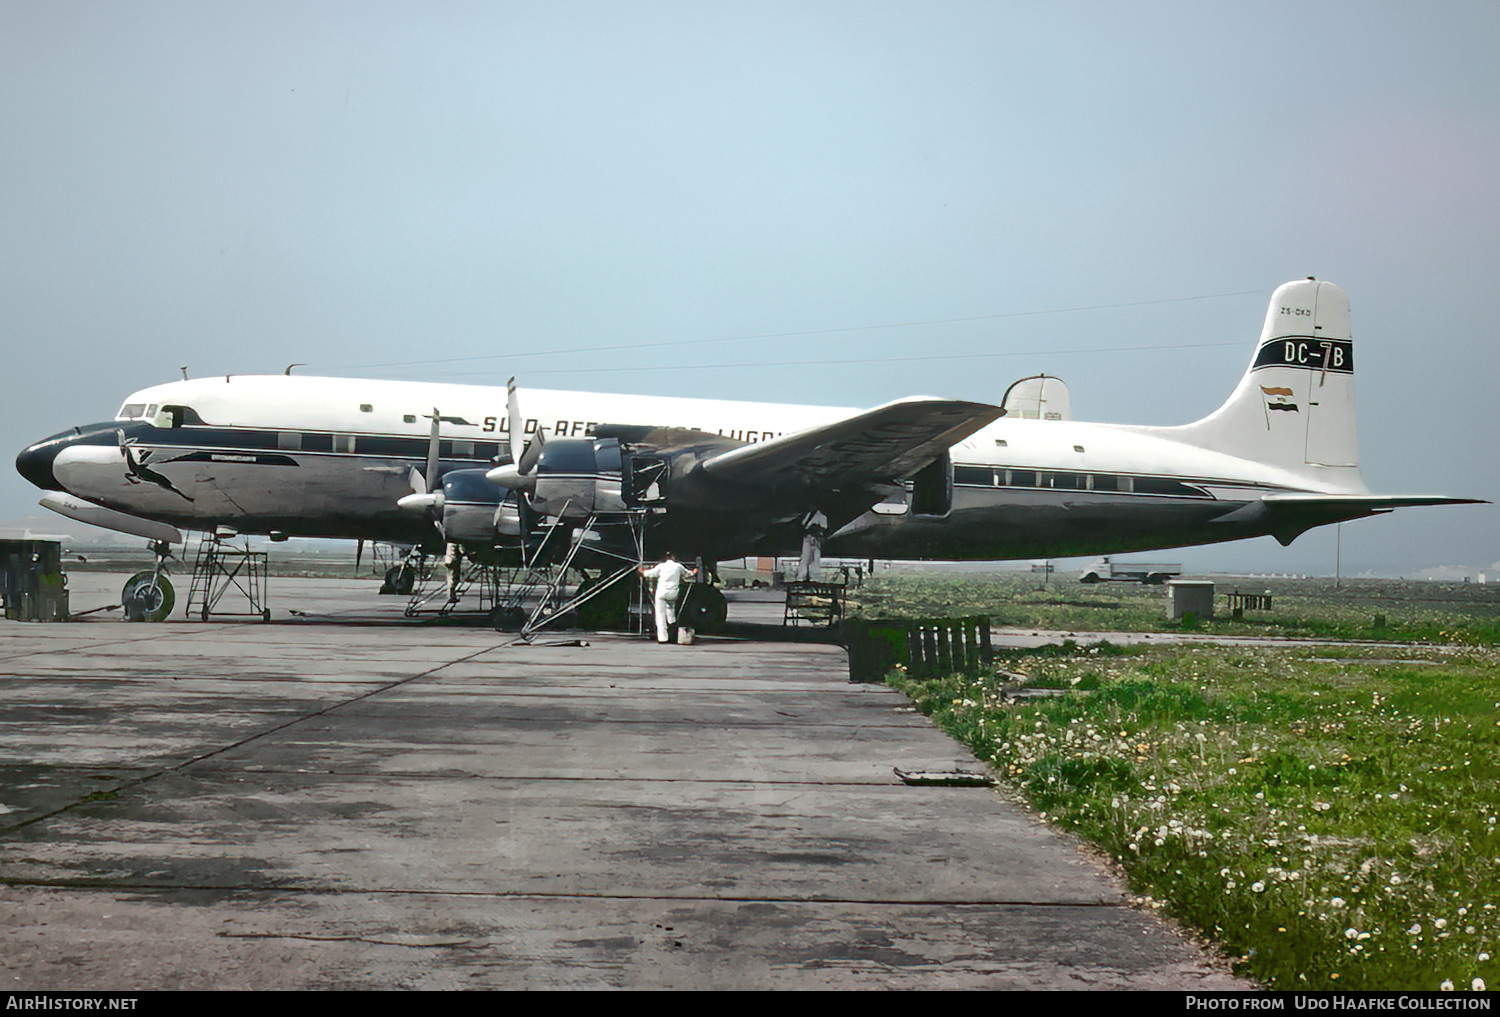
x=1195, y=596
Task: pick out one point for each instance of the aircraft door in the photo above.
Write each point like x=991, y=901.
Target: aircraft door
x=932, y=488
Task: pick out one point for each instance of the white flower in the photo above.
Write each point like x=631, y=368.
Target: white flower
x=1257, y=886
x=1447, y=985
x=1337, y=902
x=1351, y=933
x=1477, y=985
x=1415, y=930
x=1441, y=923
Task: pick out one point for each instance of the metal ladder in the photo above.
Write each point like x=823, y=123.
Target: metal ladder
x=220, y=569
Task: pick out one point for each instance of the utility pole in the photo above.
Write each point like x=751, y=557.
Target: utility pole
x=1338, y=557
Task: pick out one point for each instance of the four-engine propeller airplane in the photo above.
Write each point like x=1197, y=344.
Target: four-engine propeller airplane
x=429, y=464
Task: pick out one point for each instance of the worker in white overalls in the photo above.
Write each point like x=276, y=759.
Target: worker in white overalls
x=668, y=575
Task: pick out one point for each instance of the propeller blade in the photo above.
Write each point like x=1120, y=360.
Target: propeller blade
x=433, y=445
x=525, y=461
x=528, y=460
x=515, y=424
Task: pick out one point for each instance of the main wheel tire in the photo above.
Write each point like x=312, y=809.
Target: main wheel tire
x=148, y=596
x=704, y=609
x=507, y=619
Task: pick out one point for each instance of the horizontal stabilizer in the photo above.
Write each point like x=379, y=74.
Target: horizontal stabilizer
x=883, y=445
x=1288, y=516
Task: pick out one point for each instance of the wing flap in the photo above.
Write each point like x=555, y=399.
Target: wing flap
x=883, y=445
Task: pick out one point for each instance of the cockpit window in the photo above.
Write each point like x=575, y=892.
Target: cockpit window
x=131, y=411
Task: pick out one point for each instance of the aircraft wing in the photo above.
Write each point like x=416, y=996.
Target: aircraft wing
x=883, y=445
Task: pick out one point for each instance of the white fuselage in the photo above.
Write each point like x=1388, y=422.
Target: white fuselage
x=331, y=457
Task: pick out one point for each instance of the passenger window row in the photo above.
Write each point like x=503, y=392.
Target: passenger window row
x=1114, y=483
x=373, y=445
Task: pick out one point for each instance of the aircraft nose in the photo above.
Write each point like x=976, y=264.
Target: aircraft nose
x=35, y=464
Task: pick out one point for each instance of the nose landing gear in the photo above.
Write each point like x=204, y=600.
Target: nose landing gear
x=148, y=595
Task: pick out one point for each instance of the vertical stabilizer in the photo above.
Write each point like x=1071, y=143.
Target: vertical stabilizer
x=1294, y=408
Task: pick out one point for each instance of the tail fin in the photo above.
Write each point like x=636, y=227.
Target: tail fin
x=1294, y=408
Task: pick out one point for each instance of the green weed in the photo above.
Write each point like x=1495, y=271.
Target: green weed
x=1330, y=821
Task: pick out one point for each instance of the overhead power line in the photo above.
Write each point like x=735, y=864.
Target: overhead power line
x=868, y=360
x=794, y=334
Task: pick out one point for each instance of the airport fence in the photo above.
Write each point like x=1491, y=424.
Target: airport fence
x=924, y=647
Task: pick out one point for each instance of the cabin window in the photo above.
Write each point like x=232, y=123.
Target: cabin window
x=1067, y=481
x=408, y=418
x=462, y=450
x=1106, y=483
x=343, y=443
x=1022, y=478
x=131, y=411
x=289, y=440
x=972, y=475
x=366, y=408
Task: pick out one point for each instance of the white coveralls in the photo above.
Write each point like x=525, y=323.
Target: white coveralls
x=668, y=576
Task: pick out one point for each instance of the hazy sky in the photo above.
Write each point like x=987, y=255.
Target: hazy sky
x=359, y=186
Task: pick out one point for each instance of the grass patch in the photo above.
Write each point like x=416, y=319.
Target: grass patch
x=1329, y=821
x=1371, y=609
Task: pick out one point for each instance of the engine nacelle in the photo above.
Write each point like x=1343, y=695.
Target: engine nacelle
x=475, y=511
x=575, y=478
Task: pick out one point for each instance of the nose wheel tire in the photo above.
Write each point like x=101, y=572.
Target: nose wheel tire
x=148, y=596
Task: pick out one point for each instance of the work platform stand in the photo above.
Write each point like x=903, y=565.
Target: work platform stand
x=221, y=569
x=491, y=581
x=551, y=604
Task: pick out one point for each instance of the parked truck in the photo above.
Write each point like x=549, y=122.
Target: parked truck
x=1152, y=573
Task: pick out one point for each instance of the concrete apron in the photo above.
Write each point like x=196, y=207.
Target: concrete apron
x=296, y=805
